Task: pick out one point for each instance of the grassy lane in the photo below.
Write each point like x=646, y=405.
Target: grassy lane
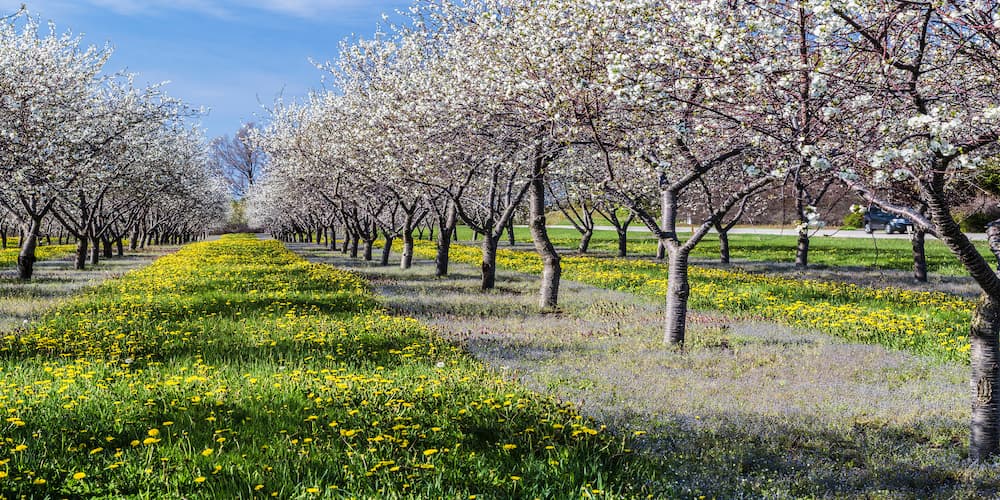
x=928, y=323
x=748, y=409
x=236, y=369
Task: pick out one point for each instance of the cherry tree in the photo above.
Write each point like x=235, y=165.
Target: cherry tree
x=48, y=85
x=924, y=112
x=678, y=78
x=238, y=159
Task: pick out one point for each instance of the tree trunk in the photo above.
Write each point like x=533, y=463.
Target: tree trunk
x=386, y=250
x=985, y=356
x=26, y=257
x=333, y=239
x=622, y=243
x=82, y=247
x=678, y=291
x=106, y=246
x=133, y=240
x=585, y=240
x=95, y=251
x=993, y=237
x=489, y=265
x=369, y=244
x=406, y=260
x=723, y=246
x=551, y=268
x=802, y=249
x=919, y=256
x=120, y=247
x=510, y=232
x=447, y=228
x=355, y=240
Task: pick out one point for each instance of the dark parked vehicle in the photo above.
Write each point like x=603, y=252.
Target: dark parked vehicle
x=875, y=219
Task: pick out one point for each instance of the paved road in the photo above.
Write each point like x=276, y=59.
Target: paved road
x=837, y=233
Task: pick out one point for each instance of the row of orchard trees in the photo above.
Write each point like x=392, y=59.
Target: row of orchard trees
x=91, y=152
x=471, y=108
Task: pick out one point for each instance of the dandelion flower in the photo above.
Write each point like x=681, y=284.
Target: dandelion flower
x=79, y=475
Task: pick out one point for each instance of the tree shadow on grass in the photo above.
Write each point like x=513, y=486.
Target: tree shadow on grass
x=749, y=456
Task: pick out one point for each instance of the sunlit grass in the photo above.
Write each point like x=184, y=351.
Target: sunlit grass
x=236, y=369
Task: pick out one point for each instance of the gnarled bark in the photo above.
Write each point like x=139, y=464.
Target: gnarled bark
x=723, y=246
x=802, y=248
x=386, y=250
x=551, y=268
x=406, y=260
x=26, y=257
x=984, y=441
x=446, y=225
x=919, y=255
x=82, y=249
x=489, y=264
x=678, y=291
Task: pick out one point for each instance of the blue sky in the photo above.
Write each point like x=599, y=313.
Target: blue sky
x=230, y=57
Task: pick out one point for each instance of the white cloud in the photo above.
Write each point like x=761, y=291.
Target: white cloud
x=214, y=8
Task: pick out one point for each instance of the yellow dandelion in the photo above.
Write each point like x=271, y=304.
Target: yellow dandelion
x=79, y=475
x=199, y=479
x=207, y=451
x=430, y=452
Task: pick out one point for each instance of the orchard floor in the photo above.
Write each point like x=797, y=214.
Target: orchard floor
x=55, y=280
x=747, y=409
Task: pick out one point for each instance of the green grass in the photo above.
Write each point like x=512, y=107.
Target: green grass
x=881, y=253
x=236, y=369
